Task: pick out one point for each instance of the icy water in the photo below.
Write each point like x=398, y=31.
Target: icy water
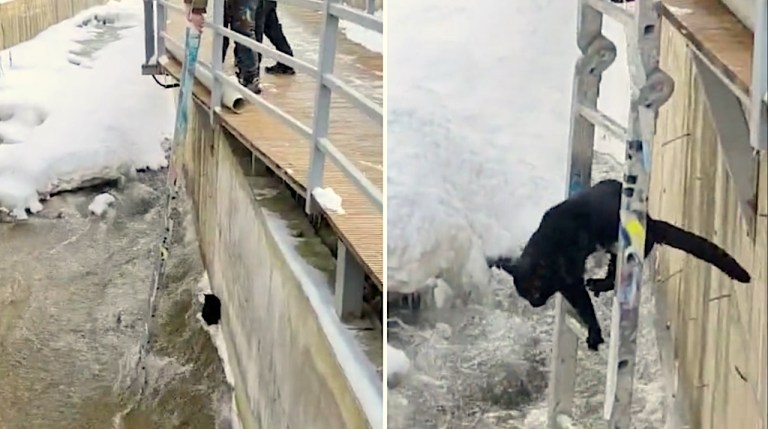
x=73, y=300
x=73, y=294
x=486, y=366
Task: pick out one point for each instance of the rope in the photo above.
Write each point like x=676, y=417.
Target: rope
x=172, y=212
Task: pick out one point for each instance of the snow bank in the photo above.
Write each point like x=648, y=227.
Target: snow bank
x=429, y=236
x=477, y=144
x=475, y=153
x=369, y=39
x=73, y=125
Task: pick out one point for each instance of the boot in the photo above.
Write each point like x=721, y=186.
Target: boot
x=251, y=83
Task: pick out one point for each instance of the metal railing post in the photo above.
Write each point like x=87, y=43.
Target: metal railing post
x=162, y=21
x=149, y=30
x=370, y=6
x=217, y=59
x=322, y=111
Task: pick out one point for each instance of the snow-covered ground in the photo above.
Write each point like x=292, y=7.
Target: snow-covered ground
x=478, y=116
x=371, y=40
x=65, y=125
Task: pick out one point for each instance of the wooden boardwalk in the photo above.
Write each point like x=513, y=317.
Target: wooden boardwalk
x=353, y=133
x=714, y=31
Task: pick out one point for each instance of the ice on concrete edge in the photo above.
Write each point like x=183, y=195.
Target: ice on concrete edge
x=100, y=203
x=217, y=337
x=328, y=199
x=358, y=369
x=369, y=39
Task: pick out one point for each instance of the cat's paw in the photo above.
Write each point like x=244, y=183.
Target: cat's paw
x=594, y=339
x=598, y=286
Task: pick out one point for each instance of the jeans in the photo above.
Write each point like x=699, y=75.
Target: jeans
x=239, y=16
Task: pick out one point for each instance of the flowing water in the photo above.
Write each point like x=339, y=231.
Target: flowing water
x=486, y=366
x=74, y=290
x=73, y=300
x=73, y=294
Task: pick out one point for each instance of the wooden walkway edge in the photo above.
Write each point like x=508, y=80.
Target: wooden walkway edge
x=360, y=228
x=717, y=34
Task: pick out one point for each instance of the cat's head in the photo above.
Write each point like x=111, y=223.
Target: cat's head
x=531, y=282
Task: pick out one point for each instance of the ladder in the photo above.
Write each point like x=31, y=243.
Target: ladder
x=651, y=88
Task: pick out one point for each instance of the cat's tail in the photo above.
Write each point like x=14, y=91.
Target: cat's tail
x=700, y=247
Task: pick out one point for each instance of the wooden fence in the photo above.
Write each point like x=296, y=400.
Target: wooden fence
x=21, y=20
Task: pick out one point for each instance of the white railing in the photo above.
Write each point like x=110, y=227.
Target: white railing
x=320, y=147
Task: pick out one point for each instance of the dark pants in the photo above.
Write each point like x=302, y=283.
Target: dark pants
x=267, y=24
x=239, y=17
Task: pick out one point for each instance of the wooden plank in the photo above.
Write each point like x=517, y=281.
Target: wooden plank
x=694, y=189
x=22, y=20
x=359, y=138
x=715, y=32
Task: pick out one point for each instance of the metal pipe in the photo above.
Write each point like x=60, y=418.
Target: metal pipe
x=230, y=98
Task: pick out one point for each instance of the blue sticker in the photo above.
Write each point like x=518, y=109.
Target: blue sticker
x=646, y=157
x=574, y=186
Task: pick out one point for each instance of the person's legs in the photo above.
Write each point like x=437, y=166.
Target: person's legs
x=258, y=25
x=245, y=60
x=274, y=32
x=227, y=23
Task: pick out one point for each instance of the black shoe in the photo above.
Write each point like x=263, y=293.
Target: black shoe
x=280, y=68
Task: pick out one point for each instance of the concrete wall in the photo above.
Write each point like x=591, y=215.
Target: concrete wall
x=719, y=327
x=287, y=369
x=21, y=20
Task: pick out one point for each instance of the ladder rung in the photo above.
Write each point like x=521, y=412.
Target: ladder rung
x=603, y=121
x=565, y=421
x=576, y=326
x=612, y=10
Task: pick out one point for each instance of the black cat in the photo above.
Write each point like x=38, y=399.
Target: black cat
x=553, y=259
x=211, y=309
